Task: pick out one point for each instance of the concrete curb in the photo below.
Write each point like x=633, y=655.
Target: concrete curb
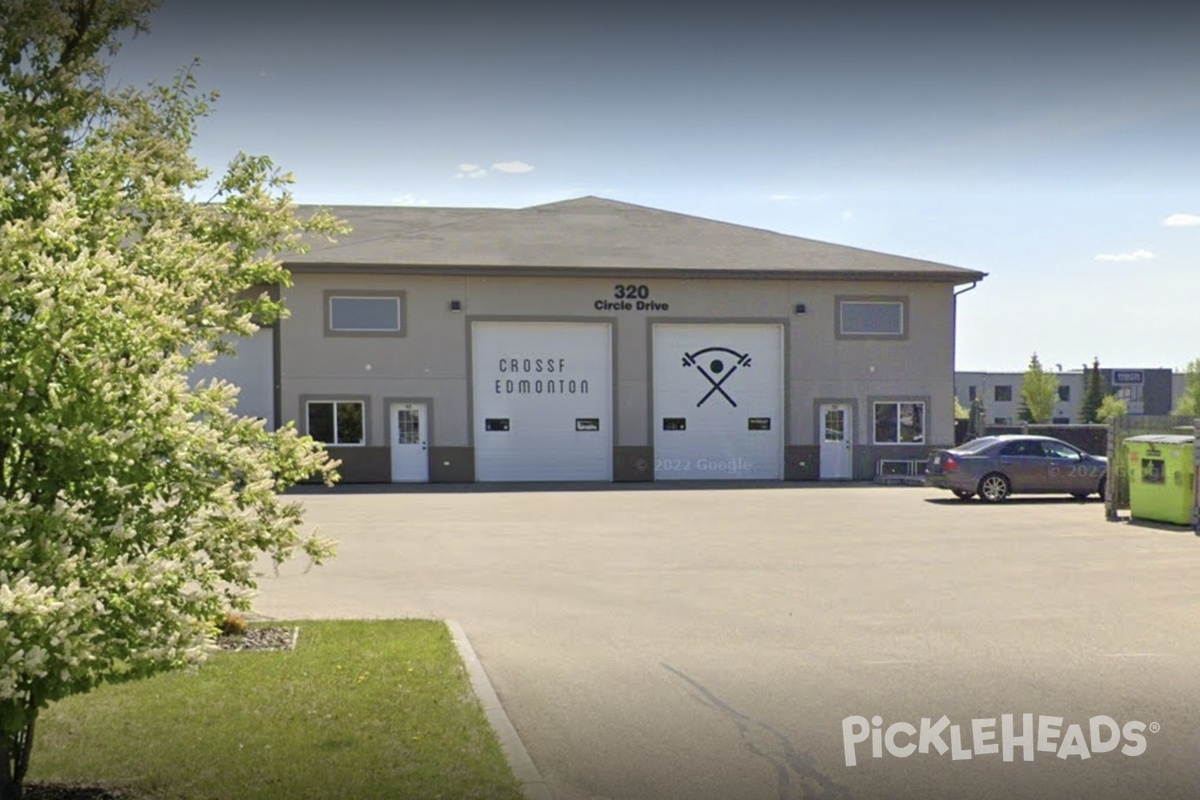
x=532, y=784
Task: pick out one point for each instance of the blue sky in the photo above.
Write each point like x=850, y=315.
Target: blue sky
x=1054, y=148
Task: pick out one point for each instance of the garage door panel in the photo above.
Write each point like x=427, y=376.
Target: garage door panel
x=545, y=390
x=718, y=401
x=252, y=370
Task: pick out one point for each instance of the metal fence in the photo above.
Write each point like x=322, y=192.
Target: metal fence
x=1116, y=495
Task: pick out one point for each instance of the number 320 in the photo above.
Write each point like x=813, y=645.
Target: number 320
x=631, y=291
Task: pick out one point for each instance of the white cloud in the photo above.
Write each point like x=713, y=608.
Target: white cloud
x=847, y=215
x=470, y=171
x=409, y=200
x=513, y=167
x=1136, y=255
x=1182, y=221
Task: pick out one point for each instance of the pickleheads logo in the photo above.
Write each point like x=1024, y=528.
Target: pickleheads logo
x=1030, y=734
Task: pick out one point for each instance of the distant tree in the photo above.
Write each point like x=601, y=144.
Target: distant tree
x=1094, y=393
x=1111, y=408
x=1188, y=404
x=1039, y=393
x=960, y=411
x=976, y=416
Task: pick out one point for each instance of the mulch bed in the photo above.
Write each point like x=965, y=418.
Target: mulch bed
x=254, y=639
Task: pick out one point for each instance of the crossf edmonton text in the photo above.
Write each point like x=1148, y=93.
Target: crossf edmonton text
x=1101, y=734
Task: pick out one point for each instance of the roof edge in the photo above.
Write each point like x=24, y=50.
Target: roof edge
x=954, y=275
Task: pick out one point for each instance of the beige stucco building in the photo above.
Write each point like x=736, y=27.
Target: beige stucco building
x=596, y=340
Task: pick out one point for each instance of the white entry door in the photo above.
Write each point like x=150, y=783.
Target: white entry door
x=410, y=442
x=837, y=441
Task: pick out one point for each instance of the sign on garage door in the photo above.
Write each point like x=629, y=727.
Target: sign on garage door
x=542, y=401
x=718, y=402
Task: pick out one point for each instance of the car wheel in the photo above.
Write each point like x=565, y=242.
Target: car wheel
x=961, y=495
x=994, y=488
x=1103, y=482
x=1080, y=495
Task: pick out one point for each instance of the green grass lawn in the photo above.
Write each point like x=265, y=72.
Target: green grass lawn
x=359, y=710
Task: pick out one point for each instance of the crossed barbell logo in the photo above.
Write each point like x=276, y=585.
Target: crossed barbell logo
x=716, y=367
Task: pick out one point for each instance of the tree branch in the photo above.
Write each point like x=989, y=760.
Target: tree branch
x=84, y=12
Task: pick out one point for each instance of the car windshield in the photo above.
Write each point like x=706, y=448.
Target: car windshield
x=975, y=445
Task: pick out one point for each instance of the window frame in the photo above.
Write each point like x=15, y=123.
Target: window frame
x=401, y=298
x=900, y=300
x=896, y=402
x=335, y=401
x=996, y=389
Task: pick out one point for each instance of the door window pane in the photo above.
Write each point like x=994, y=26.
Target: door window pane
x=835, y=425
x=408, y=426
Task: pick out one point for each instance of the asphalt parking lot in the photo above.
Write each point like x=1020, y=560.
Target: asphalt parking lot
x=720, y=642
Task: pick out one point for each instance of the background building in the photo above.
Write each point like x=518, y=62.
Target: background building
x=1146, y=391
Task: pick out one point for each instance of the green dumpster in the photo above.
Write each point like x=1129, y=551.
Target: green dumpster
x=1162, y=477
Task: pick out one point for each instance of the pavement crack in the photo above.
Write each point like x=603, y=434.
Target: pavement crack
x=797, y=775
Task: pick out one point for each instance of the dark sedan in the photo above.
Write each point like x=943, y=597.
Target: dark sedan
x=995, y=467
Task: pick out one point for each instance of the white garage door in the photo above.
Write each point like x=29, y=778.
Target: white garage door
x=718, y=402
x=252, y=371
x=542, y=401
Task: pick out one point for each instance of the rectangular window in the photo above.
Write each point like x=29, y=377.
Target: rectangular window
x=1061, y=420
x=349, y=314
x=1002, y=394
x=1002, y=420
x=971, y=394
x=871, y=318
x=900, y=423
x=337, y=422
x=1064, y=394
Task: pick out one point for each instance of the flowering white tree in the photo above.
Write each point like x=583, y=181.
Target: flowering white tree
x=133, y=506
